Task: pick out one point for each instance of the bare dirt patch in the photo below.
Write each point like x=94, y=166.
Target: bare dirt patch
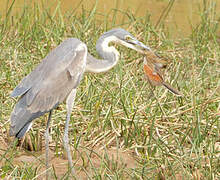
x=84, y=159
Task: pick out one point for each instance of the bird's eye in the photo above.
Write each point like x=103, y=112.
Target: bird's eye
x=127, y=38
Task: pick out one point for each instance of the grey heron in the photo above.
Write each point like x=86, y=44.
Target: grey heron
x=57, y=77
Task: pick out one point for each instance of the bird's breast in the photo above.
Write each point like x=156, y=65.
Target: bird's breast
x=152, y=75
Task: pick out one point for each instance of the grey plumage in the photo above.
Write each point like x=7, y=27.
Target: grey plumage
x=56, y=79
x=43, y=89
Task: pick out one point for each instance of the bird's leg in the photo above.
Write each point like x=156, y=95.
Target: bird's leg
x=69, y=105
x=47, y=144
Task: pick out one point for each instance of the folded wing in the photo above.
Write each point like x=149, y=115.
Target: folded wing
x=48, y=84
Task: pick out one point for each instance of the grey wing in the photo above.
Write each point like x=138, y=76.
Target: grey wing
x=59, y=73
x=54, y=58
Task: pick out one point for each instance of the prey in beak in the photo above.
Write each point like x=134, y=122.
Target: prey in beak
x=153, y=66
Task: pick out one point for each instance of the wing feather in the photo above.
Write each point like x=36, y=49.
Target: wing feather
x=59, y=75
x=55, y=58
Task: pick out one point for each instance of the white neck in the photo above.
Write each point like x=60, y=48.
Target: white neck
x=109, y=54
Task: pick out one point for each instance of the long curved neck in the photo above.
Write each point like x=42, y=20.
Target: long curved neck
x=109, y=54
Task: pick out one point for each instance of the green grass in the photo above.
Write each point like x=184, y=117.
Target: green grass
x=168, y=137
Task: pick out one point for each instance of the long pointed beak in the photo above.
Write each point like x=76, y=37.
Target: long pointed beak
x=139, y=45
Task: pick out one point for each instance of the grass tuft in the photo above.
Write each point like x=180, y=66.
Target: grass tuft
x=119, y=130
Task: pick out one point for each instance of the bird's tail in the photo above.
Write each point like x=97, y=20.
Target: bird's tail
x=21, y=119
x=171, y=89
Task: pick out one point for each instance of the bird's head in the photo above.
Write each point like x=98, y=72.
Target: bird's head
x=123, y=37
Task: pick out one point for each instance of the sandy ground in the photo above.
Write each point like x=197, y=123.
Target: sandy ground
x=96, y=155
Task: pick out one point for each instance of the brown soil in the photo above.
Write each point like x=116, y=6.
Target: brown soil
x=81, y=160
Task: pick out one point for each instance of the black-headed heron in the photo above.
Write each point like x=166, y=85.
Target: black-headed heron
x=57, y=77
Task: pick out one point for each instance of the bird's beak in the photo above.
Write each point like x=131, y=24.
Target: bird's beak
x=139, y=46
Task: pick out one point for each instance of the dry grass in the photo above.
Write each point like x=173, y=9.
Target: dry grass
x=119, y=130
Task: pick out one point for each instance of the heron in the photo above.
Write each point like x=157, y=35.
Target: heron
x=56, y=79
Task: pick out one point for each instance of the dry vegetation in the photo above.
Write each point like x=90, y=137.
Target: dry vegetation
x=119, y=128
